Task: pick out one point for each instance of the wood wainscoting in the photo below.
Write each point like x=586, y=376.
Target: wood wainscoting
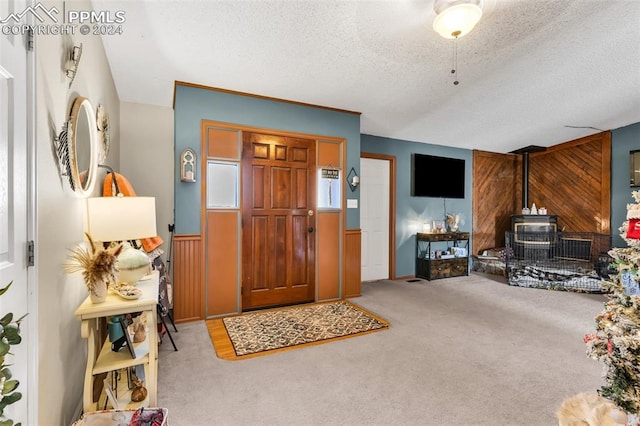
x=352, y=263
x=188, y=283
x=328, y=256
x=190, y=289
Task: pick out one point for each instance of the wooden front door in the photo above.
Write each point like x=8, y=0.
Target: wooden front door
x=278, y=220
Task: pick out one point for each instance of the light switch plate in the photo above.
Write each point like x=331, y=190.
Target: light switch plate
x=352, y=203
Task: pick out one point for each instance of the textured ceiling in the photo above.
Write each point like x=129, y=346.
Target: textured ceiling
x=529, y=68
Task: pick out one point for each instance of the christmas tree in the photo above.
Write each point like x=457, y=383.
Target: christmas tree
x=616, y=341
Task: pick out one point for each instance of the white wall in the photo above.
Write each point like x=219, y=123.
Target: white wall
x=146, y=157
x=61, y=350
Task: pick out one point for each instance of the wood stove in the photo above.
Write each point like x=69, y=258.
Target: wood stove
x=532, y=224
x=534, y=236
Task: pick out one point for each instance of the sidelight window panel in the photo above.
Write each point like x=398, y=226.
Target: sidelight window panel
x=222, y=185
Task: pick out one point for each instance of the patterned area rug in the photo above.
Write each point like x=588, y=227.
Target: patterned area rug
x=298, y=325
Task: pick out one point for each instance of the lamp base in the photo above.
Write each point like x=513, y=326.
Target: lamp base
x=132, y=265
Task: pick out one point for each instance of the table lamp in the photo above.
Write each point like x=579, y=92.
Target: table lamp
x=124, y=219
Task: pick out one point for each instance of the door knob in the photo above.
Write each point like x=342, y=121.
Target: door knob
x=310, y=229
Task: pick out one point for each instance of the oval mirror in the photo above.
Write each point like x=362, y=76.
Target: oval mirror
x=83, y=146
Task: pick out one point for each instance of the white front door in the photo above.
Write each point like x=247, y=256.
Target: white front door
x=14, y=194
x=374, y=218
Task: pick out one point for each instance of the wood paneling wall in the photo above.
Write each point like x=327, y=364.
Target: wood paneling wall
x=221, y=229
x=497, y=194
x=352, y=263
x=328, y=256
x=223, y=262
x=573, y=180
x=188, y=288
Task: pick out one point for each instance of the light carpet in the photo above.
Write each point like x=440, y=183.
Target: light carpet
x=296, y=326
x=464, y=351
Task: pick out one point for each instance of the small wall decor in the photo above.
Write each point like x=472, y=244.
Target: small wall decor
x=71, y=65
x=353, y=179
x=329, y=194
x=188, y=165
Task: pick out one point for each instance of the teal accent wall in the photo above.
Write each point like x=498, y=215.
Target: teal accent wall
x=623, y=140
x=412, y=212
x=192, y=105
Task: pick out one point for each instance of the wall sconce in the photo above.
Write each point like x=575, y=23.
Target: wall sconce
x=188, y=165
x=71, y=65
x=353, y=179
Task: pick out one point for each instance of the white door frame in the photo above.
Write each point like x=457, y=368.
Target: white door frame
x=392, y=207
x=32, y=200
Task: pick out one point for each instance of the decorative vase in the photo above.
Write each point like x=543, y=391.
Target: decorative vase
x=99, y=292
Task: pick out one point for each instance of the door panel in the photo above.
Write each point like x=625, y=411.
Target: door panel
x=278, y=239
x=374, y=218
x=14, y=209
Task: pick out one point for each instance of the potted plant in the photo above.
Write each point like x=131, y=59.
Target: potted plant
x=98, y=265
x=9, y=335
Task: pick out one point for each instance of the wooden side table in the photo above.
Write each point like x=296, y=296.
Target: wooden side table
x=100, y=357
x=432, y=267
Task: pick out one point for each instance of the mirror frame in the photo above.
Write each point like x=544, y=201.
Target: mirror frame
x=82, y=110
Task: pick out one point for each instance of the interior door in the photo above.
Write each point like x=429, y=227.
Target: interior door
x=278, y=220
x=374, y=218
x=13, y=201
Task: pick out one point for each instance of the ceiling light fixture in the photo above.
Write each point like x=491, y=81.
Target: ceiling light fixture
x=456, y=18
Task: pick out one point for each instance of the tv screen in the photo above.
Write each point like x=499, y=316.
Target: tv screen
x=437, y=176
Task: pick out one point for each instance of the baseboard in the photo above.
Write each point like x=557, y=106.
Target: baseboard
x=405, y=277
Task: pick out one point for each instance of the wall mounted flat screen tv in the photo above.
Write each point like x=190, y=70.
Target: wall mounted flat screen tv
x=437, y=176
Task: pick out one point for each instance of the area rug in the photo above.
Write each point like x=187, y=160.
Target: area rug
x=272, y=330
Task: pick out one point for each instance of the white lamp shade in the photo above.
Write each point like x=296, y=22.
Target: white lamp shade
x=457, y=18
x=121, y=218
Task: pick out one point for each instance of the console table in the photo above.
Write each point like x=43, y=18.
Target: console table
x=431, y=266
x=100, y=357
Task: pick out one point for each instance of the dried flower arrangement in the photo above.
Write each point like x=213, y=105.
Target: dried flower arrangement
x=96, y=263
x=452, y=221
